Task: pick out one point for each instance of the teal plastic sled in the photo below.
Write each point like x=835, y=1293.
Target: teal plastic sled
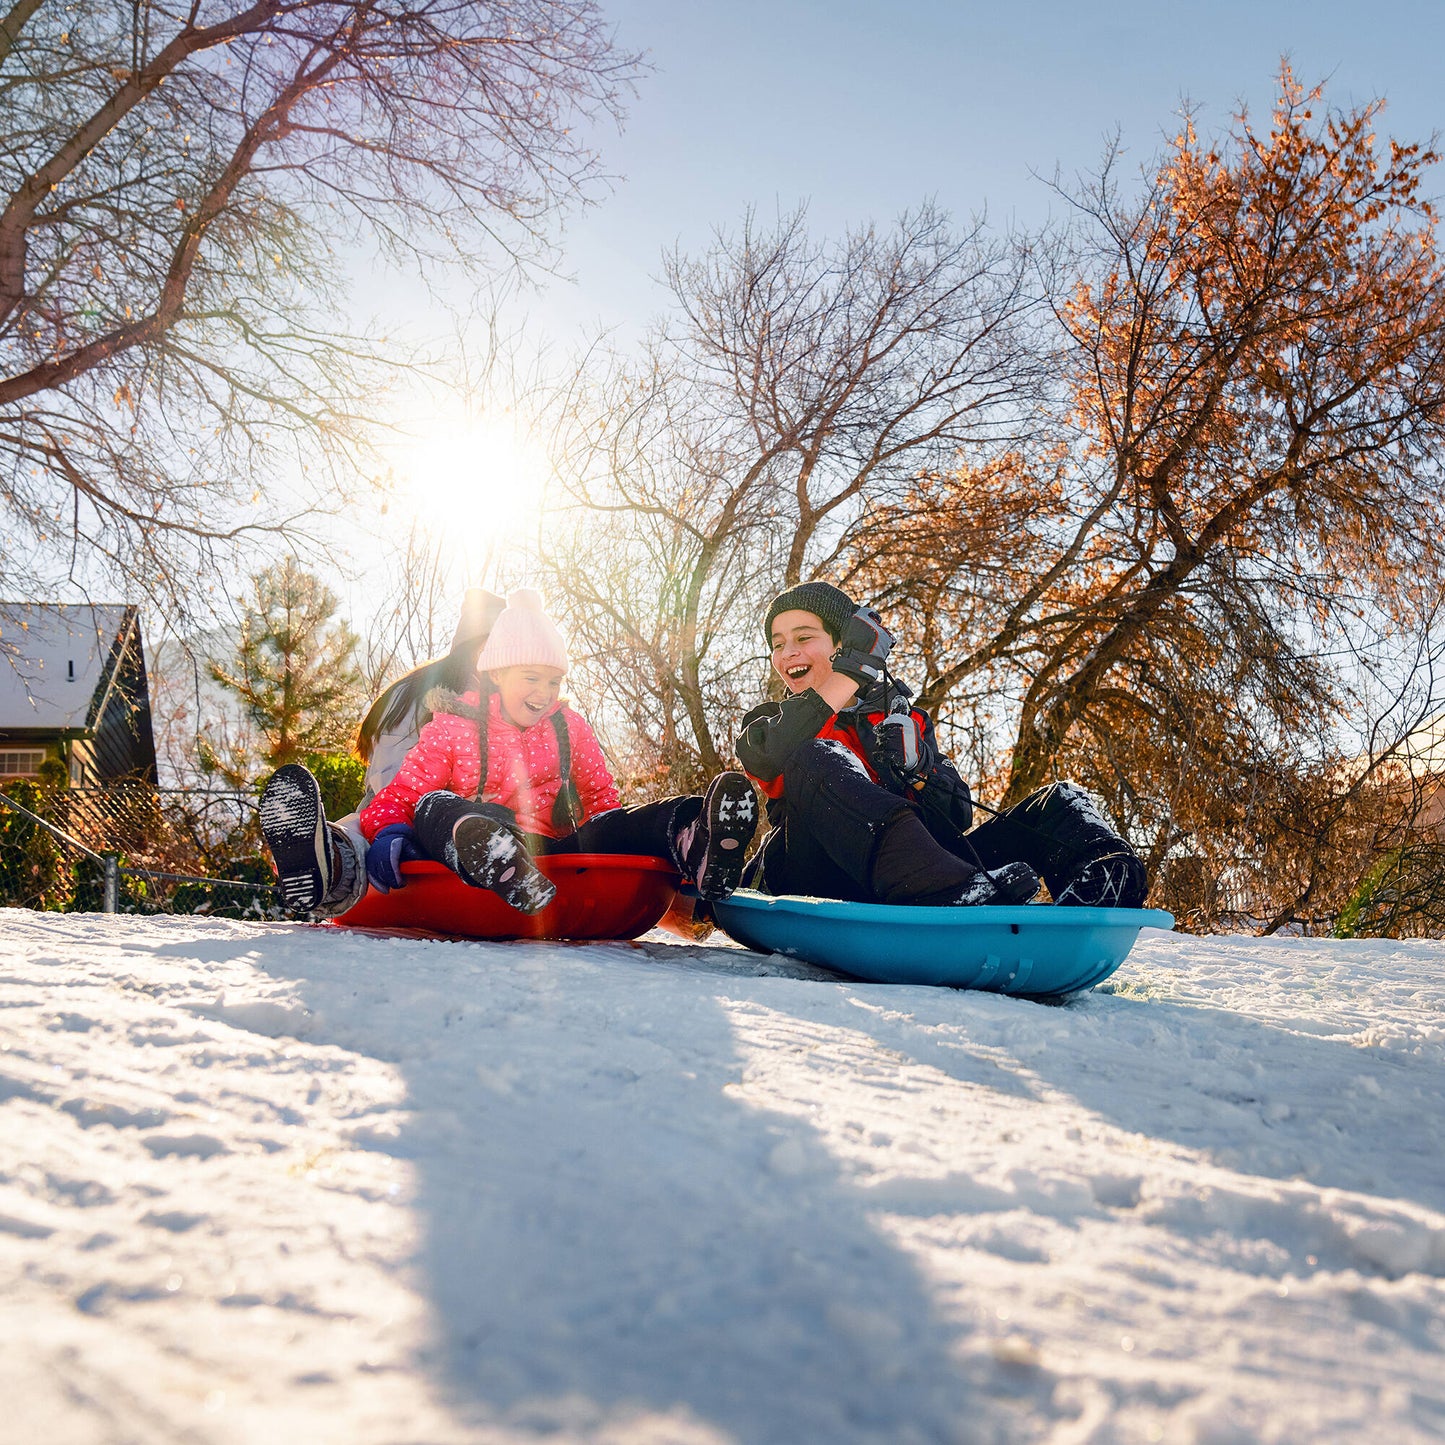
x=1033, y=949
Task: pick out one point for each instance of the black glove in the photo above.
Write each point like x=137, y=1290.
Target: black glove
x=864, y=647
x=903, y=749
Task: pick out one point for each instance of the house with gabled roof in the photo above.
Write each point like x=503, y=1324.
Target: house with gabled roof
x=73, y=688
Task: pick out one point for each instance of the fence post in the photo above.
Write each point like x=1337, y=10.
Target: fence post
x=110, y=897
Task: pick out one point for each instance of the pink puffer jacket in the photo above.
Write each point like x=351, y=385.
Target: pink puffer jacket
x=523, y=769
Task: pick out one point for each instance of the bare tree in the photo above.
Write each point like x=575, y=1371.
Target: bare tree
x=794, y=387
x=179, y=186
x=417, y=615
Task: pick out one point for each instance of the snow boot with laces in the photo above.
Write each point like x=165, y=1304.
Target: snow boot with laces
x=1012, y=883
x=1115, y=880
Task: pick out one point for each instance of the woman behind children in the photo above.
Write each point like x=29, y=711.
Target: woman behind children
x=321, y=865
x=864, y=807
x=509, y=771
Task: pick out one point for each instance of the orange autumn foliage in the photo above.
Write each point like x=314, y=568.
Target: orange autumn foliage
x=1187, y=589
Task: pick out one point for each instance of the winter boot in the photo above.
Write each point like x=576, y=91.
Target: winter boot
x=295, y=831
x=1062, y=831
x=1013, y=883
x=709, y=851
x=487, y=854
x=1115, y=880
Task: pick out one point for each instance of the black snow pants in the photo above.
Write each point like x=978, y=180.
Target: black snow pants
x=1056, y=830
x=825, y=841
x=648, y=829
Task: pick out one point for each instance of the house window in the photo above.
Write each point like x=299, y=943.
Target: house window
x=20, y=762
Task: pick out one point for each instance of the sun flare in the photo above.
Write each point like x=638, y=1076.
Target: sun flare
x=475, y=484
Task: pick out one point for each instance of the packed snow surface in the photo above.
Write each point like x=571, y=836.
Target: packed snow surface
x=285, y=1183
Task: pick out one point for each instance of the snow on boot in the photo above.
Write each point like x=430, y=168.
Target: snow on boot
x=1067, y=828
x=710, y=851
x=294, y=827
x=1117, y=880
x=1012, y=883
x=488, y=854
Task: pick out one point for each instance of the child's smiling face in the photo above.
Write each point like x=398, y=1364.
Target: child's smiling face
x=527, y=691
x=802, y=649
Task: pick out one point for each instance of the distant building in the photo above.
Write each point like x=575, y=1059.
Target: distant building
x=73, y=688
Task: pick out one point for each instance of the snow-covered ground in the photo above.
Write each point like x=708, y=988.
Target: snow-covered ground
x=274, y=1183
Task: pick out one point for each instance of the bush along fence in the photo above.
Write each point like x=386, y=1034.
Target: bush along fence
x=133, y=848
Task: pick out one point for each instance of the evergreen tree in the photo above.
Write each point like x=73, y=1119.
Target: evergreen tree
x=295, y=673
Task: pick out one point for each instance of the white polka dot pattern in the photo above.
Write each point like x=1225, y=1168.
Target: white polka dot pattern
x=523, y=769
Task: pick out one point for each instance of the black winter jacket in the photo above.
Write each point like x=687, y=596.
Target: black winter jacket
x=773, y=732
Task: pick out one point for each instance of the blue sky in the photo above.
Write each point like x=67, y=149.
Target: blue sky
x=863, y=110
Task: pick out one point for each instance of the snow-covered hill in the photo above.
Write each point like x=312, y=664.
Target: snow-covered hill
x=284, y=1184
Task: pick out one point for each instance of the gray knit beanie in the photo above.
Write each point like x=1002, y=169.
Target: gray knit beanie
x=829, y=604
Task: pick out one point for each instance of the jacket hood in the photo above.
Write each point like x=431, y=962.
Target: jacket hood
x=454, y=704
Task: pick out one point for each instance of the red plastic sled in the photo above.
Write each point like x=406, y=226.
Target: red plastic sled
x=599, y=895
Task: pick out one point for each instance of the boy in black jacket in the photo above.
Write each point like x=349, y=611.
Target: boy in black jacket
x=864, y=807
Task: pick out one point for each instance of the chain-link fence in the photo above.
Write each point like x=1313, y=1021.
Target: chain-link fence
x=133, y=848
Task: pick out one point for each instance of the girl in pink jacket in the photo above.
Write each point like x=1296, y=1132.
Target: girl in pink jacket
x=509, y=771
x=321, y=864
